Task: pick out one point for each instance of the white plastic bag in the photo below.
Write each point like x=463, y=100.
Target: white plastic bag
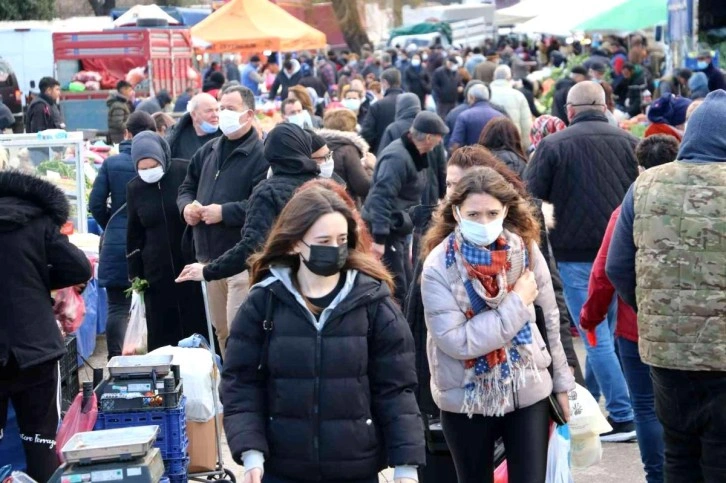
x=558, y=456
x=196, y=368
x=135, y=340
x=586, y=423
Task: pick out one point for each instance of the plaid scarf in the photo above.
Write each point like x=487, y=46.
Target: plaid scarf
x=480, y=278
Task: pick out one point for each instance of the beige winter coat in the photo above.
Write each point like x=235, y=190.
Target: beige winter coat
x=452, y=338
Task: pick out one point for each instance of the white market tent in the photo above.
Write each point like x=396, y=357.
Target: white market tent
x=561, y=17
x=521, y=12
x=137, y=12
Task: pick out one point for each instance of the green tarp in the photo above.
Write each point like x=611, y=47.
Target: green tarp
x=423, y=28
x=628, y=16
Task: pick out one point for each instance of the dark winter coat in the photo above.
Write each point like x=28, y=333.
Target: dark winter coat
x=7, y=120
x=291, y=168
x=470, y=124
x=333, y=404
x=228, y=182
x=406, y=110
x=584, y=171
x=398, y=183
x=113, y=176
x=119, y=110
x=154, y=237
x=417, y=81
x=444, y=85
x=512, y=160
x=283, y=83
x=43, y=113
x=379, y=116
x=155, y=104
x=35, y=259
x=348, y=151
x=716, y=79
x=559, y=99
x=184, y=140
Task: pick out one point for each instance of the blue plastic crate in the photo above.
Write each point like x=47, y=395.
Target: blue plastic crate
x=172, y=440
x=181, y=477
x=175, y=466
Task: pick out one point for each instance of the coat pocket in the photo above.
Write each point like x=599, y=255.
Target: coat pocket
x=540, y=354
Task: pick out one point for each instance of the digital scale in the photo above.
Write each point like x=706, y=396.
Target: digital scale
x=112, y=455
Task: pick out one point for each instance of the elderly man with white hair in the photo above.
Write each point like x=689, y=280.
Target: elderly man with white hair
x=504, y=94
x=471, y=122
x=585, y=171
x=198, y=125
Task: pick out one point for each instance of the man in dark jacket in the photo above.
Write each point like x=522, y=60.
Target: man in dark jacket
x=155, y=104
x=213, y=198
x=43, y=112
x=180, y=105
x=629, y=91
x=416, y=79
x=715, y=76
x=399, y=180
x=113, y=176
x=197, y=127
x=289, y=150
x=584, y=171
x=407, y=107
x=445, y=86
x=562, y=88
x=120, y=108
x=472, y=122
x=383, y=112
x=36, y=259
x=289, y=76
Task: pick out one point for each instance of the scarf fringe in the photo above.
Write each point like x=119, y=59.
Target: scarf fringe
x=491, y=395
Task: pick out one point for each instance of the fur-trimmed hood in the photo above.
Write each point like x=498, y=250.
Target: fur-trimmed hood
x=25, y=197
x=335, y=139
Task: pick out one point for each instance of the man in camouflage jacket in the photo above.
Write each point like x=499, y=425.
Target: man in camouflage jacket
x=668, y=260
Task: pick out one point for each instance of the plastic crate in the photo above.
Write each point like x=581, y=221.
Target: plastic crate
x=172, y=440
x=69, y=389
x=69, y=361
x=180, y=478
x=176, y=466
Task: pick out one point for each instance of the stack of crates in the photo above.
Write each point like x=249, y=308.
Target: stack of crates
x=172, y=440
x=69, y=373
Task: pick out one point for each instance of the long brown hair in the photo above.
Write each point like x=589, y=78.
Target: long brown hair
x=300, y=213
x=520, y=217
x=501, y=133
x=478, y=156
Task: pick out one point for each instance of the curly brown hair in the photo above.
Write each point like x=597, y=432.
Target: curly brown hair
x=520, y=219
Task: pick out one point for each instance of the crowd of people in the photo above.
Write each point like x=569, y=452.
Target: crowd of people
x=415, y=242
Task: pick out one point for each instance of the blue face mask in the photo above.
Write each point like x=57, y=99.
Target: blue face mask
x=208, y=127
x=702, y=65
x=480, y=234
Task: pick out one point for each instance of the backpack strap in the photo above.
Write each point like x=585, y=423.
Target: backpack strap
x=267, y=326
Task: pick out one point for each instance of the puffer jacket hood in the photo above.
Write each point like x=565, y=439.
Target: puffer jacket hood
x=288, y=149
x=148, y=144
x=115, y=97
x=335, y=139
x=25, y=197
x=407, y=106
x=701, y=142
x=295, y=68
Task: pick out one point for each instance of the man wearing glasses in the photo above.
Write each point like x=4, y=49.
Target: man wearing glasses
x=585, y=171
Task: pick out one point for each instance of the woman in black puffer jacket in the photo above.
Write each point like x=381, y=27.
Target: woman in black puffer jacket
x=319, y=375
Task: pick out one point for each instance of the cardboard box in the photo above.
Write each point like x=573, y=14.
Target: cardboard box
x=202, y=445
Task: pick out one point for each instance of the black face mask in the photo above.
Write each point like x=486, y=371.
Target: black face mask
x=326, y=260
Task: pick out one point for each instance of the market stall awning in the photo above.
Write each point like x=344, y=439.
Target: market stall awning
x=629, y=16
x=520, y=12
x=254, y=26
x=143, y=12
x=562, y=17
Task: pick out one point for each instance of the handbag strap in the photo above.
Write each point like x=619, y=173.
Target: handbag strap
x=542, y=327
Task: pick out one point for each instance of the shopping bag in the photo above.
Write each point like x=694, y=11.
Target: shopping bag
x=586, y=424
x=135, y=340
x=79, y=419
x=69, y=309
x=558, y=456
x=501, y=474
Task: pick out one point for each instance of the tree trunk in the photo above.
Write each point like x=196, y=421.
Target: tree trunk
x=346, y=11
x=102, y=8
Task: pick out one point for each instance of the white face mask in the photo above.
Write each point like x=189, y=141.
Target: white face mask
x=229, y=121
x=480, y=234
x=352, y=104
x=327, y=168
x=415, y=62
x=302, y=119
x=152, y=175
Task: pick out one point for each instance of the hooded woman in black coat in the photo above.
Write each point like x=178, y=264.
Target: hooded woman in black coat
x=154, y=234
x=319, y=376
x=35, y=259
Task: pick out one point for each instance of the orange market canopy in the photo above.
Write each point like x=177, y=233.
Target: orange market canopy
x=250, y=26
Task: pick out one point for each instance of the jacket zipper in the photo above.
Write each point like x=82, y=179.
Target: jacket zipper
x=316, y=407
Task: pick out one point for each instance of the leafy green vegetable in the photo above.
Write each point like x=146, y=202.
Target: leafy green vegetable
x=137, y=285
x=67, y=171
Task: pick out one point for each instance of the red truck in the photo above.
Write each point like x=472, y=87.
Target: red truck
x=166, y=53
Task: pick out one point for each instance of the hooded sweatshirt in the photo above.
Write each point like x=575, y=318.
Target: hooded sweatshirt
x=285, y=80
x=287, y=148
x=407, y=106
